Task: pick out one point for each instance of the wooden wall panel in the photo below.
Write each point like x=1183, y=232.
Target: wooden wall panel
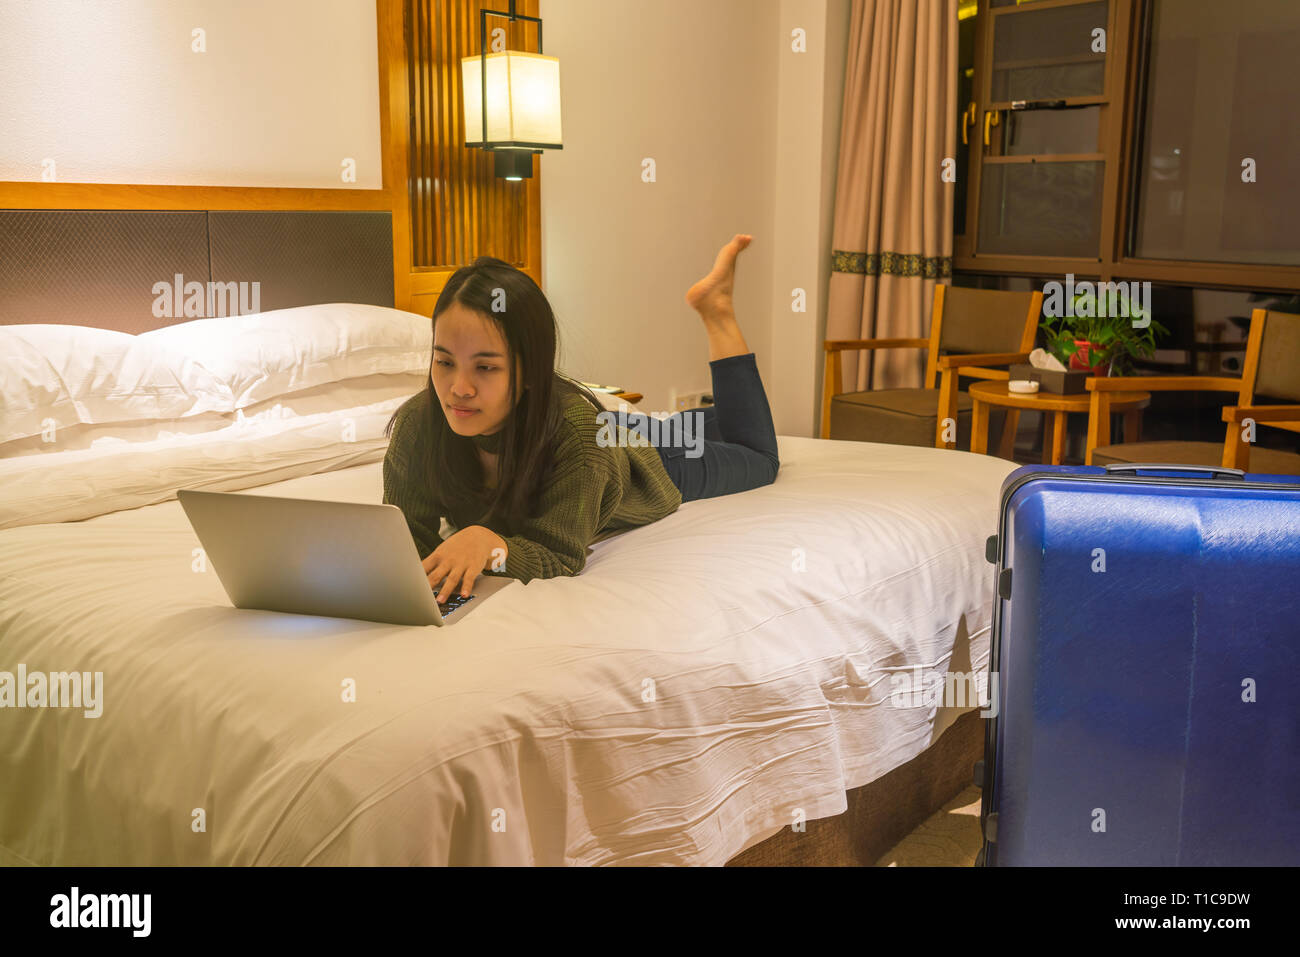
x=459, y=208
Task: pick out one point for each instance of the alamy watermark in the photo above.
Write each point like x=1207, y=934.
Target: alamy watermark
x=1123, y=300
x=951, y=689
x=197, y=300
x=53, y=689
x=75, y=909
x=639, y=429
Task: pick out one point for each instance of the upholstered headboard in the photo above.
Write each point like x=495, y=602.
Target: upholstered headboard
x=100, y=267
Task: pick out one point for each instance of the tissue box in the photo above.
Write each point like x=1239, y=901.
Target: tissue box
x=1070, y=382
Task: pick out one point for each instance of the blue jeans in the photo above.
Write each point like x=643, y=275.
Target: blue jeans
x=727, y=447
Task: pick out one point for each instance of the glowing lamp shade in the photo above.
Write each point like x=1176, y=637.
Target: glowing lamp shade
x=523, y=101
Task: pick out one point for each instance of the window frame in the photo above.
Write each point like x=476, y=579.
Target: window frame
x=1121, y=124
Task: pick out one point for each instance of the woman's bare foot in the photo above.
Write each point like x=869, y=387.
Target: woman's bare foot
x=711, y=296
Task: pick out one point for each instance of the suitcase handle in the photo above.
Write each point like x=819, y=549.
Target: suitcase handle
x=1166, y=467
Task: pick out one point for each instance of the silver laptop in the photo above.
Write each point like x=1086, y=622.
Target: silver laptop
x=309, y=557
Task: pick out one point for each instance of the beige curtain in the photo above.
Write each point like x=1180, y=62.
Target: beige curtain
x=892, y=234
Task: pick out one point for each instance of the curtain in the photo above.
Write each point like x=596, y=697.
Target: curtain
x=892, y=231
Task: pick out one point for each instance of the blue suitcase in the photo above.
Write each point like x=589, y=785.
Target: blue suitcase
x=1145, y=652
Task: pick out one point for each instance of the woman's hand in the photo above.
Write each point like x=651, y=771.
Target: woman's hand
x=459, y=560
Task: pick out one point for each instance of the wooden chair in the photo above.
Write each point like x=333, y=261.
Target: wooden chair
x=975, y=329
x=1272, y=357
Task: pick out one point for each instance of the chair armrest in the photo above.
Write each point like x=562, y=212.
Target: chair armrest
x=982, y=359
x=950, y=367
x=840, y=345
x=1162, y=383
x=976, y=372
x=1262, y=413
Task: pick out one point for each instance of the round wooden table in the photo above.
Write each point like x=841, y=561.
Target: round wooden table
x=1055, y=408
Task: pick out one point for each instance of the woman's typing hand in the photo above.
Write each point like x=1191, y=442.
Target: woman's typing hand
x=462, y=557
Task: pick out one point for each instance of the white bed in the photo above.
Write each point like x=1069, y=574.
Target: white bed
x=526, y=733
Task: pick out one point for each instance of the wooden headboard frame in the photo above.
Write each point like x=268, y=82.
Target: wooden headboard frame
x=412, y=288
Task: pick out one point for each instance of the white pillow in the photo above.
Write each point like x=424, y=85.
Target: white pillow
x=270, y=354
x=333, y=396
x=68, y=375
x=326, y=398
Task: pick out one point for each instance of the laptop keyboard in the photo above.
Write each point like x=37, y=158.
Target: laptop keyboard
x=447, y=607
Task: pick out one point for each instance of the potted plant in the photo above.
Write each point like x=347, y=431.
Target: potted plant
x=1103, y=345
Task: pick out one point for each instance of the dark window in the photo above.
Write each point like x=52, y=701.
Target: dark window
x=1220, y=92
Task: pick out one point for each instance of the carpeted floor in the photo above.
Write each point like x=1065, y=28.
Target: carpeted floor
x=948, y=838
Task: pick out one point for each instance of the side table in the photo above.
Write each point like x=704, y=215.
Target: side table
x=1055, y=408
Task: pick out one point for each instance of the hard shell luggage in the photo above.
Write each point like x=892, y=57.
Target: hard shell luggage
x=1146, y=657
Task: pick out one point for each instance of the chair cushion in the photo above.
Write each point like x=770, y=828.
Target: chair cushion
x=919, y=402
x=902, y=417
x=1266, y=461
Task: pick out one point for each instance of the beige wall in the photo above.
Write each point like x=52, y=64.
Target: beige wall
x=743, y=130
x=744, y=134
x=113, y=92
x=809, y=103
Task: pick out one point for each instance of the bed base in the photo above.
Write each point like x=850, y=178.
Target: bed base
x=881, y=813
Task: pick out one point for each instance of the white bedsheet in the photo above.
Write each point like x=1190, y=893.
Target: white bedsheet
x=685, y=695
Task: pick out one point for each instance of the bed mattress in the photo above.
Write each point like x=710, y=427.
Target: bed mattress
x=705, y=680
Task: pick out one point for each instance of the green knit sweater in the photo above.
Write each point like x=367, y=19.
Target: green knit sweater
x=592, y=490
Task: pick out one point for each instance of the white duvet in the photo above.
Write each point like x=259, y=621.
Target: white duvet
x=687, y=694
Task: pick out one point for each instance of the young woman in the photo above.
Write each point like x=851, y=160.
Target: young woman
x=512, y=452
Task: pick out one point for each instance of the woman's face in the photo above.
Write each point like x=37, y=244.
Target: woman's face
x=469, y=371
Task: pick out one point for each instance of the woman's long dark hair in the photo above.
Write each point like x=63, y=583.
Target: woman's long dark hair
x=527, y=456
